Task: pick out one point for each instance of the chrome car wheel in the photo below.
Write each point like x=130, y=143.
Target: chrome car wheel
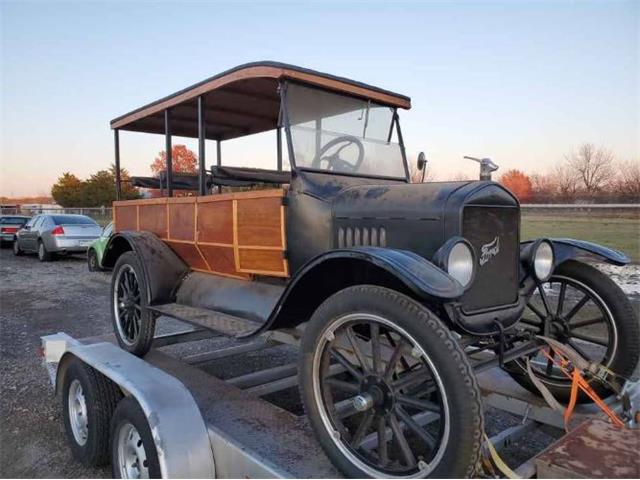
x=127, y=304
x=78, y=413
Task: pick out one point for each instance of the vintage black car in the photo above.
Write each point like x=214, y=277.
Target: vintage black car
x=399, y=292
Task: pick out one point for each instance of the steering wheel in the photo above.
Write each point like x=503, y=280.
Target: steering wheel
x=334, y=162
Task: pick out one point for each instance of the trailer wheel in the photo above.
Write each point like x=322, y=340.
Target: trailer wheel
x=387, y=388
x=133, y=324
x=133, y=451
x=88, y=401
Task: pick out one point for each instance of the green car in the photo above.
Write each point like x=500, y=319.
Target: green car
x=95, y=252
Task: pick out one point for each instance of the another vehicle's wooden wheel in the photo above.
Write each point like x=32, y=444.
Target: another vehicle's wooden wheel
x=127, y=304
x=580, y=307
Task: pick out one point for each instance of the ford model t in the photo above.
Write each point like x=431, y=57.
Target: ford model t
x=400, y=292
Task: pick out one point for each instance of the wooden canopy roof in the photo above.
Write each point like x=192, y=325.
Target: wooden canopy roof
x=241, y=101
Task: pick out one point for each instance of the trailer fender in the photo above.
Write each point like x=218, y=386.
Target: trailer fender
x=179, y=431
x=163, y=269
x=336, y=270
x=568, y=248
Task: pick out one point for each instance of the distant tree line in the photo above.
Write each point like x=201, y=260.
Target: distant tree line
x=590, y=174
x=96, y=191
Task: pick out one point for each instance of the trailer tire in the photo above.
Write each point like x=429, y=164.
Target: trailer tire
x=439, y=358
x=132, y=442
x=88, y=401
x=134, y=331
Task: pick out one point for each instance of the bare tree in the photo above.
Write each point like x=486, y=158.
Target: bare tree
x=629, y=179
x=542, y=186
x=593, y=166
x=565, y=182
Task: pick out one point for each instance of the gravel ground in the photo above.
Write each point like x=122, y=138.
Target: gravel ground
x=37, y=299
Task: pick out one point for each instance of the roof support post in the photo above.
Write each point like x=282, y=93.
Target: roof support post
x=116, y=144
x=202, y=174
x=279, y=147
x=168, y=149
x=219, y=159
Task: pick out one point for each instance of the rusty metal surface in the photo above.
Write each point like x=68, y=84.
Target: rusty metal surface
x=595, y=449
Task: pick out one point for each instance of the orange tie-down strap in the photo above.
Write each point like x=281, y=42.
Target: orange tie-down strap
x=579, y=383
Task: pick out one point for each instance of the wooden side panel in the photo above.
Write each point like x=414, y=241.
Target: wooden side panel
x=126, y=217
x=259, y=222
x=153, y=218
x=182, y=221
x=215, y=222
x=221, y=260
x=190, y=254
x=237, y=234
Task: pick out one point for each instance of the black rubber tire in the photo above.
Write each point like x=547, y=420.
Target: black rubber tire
x=129, y=411
x=43, y=254
x=101, y=396
x=17, y=251
x=92, y=261
x=627, y=354
x=142, y=344
x=462, y=453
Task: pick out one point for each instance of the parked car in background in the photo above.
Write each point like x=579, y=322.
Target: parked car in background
x=9, y=226
x=95, y=252
x=50, y=234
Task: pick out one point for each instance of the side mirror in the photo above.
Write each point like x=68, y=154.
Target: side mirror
x=27, y=227
x=422, y=161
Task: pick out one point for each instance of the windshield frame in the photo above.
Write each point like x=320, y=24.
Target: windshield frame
x=284, y=122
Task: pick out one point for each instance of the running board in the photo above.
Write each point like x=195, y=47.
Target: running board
x=211, y=319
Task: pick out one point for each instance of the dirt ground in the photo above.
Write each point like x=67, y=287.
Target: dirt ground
x=37, y=299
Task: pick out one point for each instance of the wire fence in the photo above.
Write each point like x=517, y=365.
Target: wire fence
x=102, y=215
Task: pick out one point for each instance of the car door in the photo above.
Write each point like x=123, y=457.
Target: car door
x=26, y=235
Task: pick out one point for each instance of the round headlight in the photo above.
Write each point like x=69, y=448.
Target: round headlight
x=460, y=263
x=543, y=261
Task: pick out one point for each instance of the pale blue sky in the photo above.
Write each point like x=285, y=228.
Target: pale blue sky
x=521, y=82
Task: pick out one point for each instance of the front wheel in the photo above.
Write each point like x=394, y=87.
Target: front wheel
x=387, y=388
x=583, y=308
x=133, y=324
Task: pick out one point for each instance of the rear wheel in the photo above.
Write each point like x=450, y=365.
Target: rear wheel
x=133, y=324
x=583, y=308
x=133, y=451
x=387, y=389
x=17, y=251
x=43, y=254
x=92, y=261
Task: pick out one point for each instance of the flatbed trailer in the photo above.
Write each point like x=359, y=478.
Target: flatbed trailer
x=205, y=427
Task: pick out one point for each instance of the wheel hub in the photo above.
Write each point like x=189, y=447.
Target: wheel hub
x=379, y=394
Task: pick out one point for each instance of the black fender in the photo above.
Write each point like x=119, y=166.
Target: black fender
x=336, y=270
x=163, y=269
x=568, y=248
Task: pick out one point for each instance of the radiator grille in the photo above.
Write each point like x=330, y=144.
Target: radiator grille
x=494, y=233
x=362, y=237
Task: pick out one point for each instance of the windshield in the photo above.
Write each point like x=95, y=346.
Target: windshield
x=13, y=220
x=342, y=134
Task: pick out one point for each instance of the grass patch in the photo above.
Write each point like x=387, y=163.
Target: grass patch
x=619, y=233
